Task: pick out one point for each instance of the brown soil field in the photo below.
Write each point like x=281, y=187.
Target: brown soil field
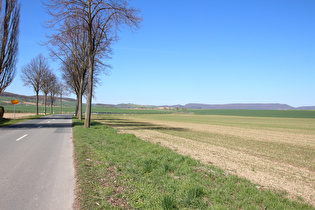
x=17, y=115
x=277, y=154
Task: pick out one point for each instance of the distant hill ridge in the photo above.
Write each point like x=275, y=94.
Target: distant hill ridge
x=257, y=106
x=271, y=106
x=254, y=106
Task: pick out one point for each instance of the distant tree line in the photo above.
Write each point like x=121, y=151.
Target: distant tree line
x=38, y=75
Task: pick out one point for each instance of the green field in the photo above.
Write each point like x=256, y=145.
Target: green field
x=258, y=113
x=101, y=110
x=69, y=107
x=28, y=106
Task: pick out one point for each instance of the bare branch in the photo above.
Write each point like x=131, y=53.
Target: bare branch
x=9, y=32
x=99, y=21
x=33, y=74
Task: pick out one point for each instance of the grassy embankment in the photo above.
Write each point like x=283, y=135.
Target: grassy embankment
x=120, y=170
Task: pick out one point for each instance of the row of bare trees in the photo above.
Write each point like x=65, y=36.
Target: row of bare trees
x=71, y=49
x=84, y=33
x=38, y=75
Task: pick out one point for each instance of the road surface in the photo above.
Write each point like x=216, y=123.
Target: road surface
x=36, y=164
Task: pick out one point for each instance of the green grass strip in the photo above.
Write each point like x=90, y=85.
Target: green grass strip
x=119, y=171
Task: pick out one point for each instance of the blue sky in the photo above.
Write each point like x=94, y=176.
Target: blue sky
x=200, y=51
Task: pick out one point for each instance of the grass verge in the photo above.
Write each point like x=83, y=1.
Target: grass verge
x=121, y=171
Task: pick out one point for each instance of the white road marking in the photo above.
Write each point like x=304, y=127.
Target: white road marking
x=40, y=126
x=21, y=137
x=48, y=122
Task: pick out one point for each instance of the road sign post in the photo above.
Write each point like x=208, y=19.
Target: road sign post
x=14, y=102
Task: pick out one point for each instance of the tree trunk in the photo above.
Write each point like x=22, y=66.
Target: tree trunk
x=77, y=106
x=60, y=103
x=80, y=99
x=36, y=102
x=80, y=108
x=91, y=65
x=45, y=99
x=51, y=105
x=89, y=96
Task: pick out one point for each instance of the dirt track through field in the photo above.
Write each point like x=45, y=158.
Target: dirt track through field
x=237, y=150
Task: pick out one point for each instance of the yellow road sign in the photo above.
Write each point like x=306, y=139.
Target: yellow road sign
x=14, y=101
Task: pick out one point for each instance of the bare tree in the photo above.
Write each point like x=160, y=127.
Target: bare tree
x=46, y=85
x=9, y=31
x=70, y=47
x=54, y=89
x=63, y=90
x=101, y=20
x=75, y=74
x=76, y=78
x=32, y=74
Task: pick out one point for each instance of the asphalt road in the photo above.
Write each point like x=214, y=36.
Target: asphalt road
x=36, y=164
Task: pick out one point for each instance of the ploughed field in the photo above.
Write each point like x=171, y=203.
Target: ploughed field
x=276, y=153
